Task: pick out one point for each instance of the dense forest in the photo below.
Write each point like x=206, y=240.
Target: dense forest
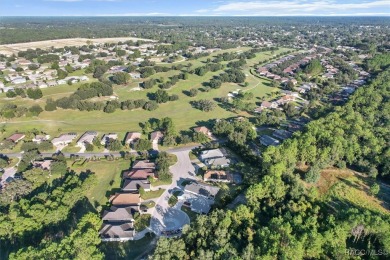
x=286, y=219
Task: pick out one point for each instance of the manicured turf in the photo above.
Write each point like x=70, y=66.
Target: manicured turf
x=108, y=175
x=181, y=111
x=151, y=194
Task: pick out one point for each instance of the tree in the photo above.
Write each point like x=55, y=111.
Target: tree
x=205, y=105
x=89, y=147
x=34, y=93
x=193, y=92
x=35, y=110
x=374, y=189
x=114, y=145
x=161, y=96
x=313, y=175
x=121, y=78
x=3, y=162
x=142, y=145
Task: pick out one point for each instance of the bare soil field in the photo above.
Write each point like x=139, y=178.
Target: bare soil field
x=9, y=49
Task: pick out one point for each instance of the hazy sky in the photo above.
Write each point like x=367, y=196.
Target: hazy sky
x=194, y=7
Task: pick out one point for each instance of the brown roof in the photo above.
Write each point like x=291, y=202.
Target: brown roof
x=266, y=104
x=217, y=175
x=123, y=199
x=132, y=136
x=144, y=164
x=157, y=135
x=16, y=137
x=202, y=129
x=138, y=174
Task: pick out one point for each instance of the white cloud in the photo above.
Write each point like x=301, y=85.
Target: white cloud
x=298, y=7
x=137, y=14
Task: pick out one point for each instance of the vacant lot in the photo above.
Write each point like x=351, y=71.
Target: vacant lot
x=9, y=49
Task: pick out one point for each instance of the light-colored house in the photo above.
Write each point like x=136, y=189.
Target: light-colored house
x=204, y=130
x=87, y=137
x=156, y=137
x=44, y=165
x=64, y=139
x=40, y=138
x=204, y=190
x=132, y=137
x=107, y=137
x=19, y=80
x=215, y=157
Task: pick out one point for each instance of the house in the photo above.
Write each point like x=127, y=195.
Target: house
x=215, y=157
x=201, y=190
x=135, y=75
x=204, y=130
x=294, y=81
x=135, y=185
x=144, y=164
x=138, y=174
x=285, y=99
x=117, y=232
x=156, y=137
x=84, y=78
x=19, y=80
x=126, y=199
x=16, y=137
x=218, y=176
x=44, y=165
x=282, y=134
x=87, y=137
x=52, y=83
x=61, y=82
x=119, y=214
x=40, y=138
x=64, y=139
x=132, y=137
x=268, y=140
x=106, y=138
x=42, y=85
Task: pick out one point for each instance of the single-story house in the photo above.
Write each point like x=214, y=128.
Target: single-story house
x=156, y=137
x=144, y=164
x=202, y=190
x=40, y=138
x=204, y=130
x=282, y=134
x=44, y=165
x=106, y=138
x=87, y=137
x=131, y=137
x=135, y=185
x=215, y=157
x=117, y=231
x=268, y=140
x=64, y=139
x=16, y=137
x=119, y=214
x=126, y=199
x=218, y=176
x=138, y=174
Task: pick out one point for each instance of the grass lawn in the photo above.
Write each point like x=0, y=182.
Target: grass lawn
x=71, y=148
x=149, y=204
x=142, y=222
x=172, y=200
x=130, y=249
x=158, y=182
x=181, y=111
x=151, y=194
x=108, y=175
x=192, y=215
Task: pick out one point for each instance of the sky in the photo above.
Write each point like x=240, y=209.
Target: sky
x=194, y=8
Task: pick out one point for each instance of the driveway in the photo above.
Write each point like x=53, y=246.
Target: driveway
x=164, y=217
x=8, y=172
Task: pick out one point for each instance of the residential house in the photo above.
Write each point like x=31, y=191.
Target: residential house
x=119, y=214
x=215, y=157
x=204, y=130
x=218, y=176
x=201, y=190
x=131, y=137
x=40, y=138
x=117, y=232
x=19, y=80
x=135, y=185
x=268, y=140
x=64, y=139
x=87, y=137
x=135, y=75
x=282, y=134
x=126, y=199
x=16, y=137
x=138, y=174
x=285, y=99
x=156, y=137
x=144, y=164
x=44, y=165
x=106, y=138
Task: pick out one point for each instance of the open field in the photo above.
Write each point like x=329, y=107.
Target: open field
x=121, y=121
x=349, y=187
x=9, y=49
x=108, y=175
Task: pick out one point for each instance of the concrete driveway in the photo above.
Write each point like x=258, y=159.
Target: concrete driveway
x=164, y=217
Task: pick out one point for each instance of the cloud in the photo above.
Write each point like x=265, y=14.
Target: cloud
x=137, y=14
x=299, y=7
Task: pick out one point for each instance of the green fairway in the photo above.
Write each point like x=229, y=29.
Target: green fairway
x=181, y=111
